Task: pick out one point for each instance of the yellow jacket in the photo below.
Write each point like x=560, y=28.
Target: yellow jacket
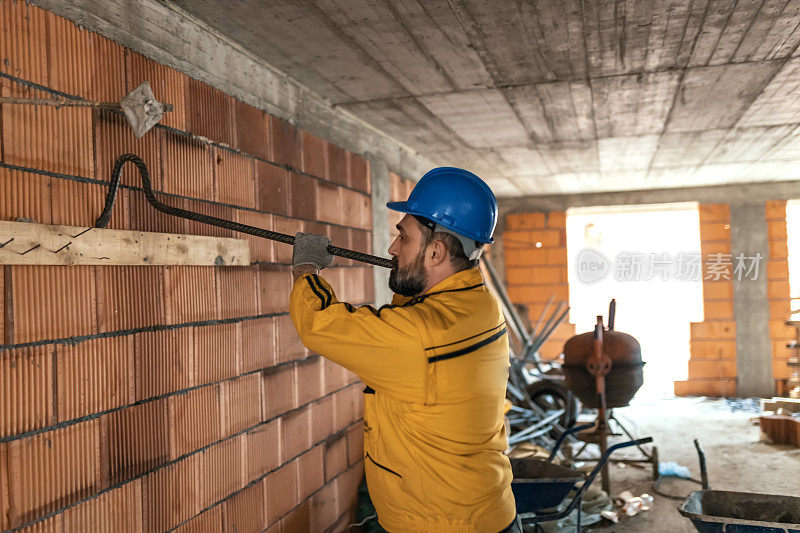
x=435, y=367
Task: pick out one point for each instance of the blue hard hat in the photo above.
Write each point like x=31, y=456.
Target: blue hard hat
x=455, y=199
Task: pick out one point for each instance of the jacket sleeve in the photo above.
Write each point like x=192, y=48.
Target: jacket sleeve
x=383, y=347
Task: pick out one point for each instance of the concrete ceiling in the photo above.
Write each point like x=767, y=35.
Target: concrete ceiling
x=551, y=96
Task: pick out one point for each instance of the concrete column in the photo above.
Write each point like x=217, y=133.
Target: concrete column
x=381, y=236
x=750, y=304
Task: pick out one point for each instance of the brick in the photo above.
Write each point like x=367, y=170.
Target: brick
x=775, y=209
x=137, y=440
x=298, y=520
x=329, y=203
x=778, y=330
x=209, y=521
x=311, y=471
x=108, y=82
x=706, y=387
x=261, y=250
x=713, y=330
x=280, y=491
x=336, y=459
x=214, y=352
x=52, y=470
x=275, y=284
x=355, y=444
x=189, y=294
x=324, y=508
x=129, y=297
x=195, y=420
x=289, y=226
x=551, y=349
x=290, y=347
x=263, y=449
x=348, y=405
x=286, y=143
x=238, y=291
x=776, y=229
x=718, y=310
x=258, y=344
x=779, y=309
x=170, y=495
x=538, y=293
x=243, y=403
x=113, y=137
x=26, y=376
x=336, y=170
x=79, y=204
x=715, y=231
x=4, y=488
x=713, y=349
x=168, y=85
x=397, y=188
x=23, y=40
x=778, y=249
x=323, y=419
x=272, y=186
x=94, y=376
x=359, y=173
x=24, y=195
x=526, y=258
x=780, y=370
x=347, y=486
x=536, y=275
x=334, y=377
x=52, y=302
x=210, y=113
x=279, y=393
x=245, y=512
x=315, y=155
x=303, y=191
x=545, y=238
x=188, y=169
x=778, y=289
x=117, y=510
x=714, y=212
x=777, y=269
x=234, y=178
x=712, y=369
x=781, y=351
x=47, y=138
x=252, y=130
x=220, y=471
x=163, y=362
x=308, y=374
x=556, y=220
x=215, y=210
x=144, y=218
x=718, y=290
x=295, y=433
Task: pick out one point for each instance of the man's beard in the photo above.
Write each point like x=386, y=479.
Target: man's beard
x=410, y=280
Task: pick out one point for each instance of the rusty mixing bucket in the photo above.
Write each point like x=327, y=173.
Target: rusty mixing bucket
x=621, y=382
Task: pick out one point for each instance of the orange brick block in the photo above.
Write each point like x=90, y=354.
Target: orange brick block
x=279, y=391
x=778, y=330
x=775, y=209
x=117, y=510
x=716, y=349
x=137, y=440
x=23, y=40
x=52, y=470
x=242, y=403
x=195, y=420
x=163, y=362
x=714, y=310
x=246, y=512
x=234, y=176
x=221, y=471
x=295, y=433
x=311, y=471
x=215, y=352
x=776, y=229
x=536, y=275
x=27, y=374
x=778, y=249
x=170, y=495
x=189, y=294
x=324, y=508
x=714, y=212
x=778, y=269
x=252, y=130
x=718, y=388
x=713, y=330
x=715, y=231
x=718, y=369
x=525, y=221
x=210, y=520
x=778, y=289
x=280, y=497
x=238, y=289
x=262, y=449
x=779, y=309
x=24, y=195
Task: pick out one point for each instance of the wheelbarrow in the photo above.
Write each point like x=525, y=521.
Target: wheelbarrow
x=719, y=511
x=540, y=485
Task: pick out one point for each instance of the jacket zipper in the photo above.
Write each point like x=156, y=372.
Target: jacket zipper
x=376, y=463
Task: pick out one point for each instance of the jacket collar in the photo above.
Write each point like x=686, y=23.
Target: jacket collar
x=459, y=280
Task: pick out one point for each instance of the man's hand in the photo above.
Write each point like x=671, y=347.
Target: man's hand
x=310, y=254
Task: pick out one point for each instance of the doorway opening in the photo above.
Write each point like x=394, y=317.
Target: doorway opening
x=638, y=255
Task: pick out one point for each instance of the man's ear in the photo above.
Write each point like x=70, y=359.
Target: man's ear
x=438, y=252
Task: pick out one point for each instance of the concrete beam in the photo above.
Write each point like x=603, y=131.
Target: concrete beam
x=171, y=36
x=750, y=305
x=745, y=192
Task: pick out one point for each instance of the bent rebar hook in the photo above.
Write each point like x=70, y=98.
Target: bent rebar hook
x=102, y=222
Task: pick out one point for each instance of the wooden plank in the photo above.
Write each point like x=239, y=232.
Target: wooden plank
x=40, y=244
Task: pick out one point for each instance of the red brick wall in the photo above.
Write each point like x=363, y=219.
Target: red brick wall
x=535, y=248
x=778, y=289
x=163, y=397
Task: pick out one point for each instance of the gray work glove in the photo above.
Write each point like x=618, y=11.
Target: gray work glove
x=311, y=249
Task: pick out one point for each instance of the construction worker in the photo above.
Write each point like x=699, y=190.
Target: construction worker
x=434, y=362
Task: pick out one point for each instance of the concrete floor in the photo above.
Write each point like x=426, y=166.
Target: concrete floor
x=736, y=460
